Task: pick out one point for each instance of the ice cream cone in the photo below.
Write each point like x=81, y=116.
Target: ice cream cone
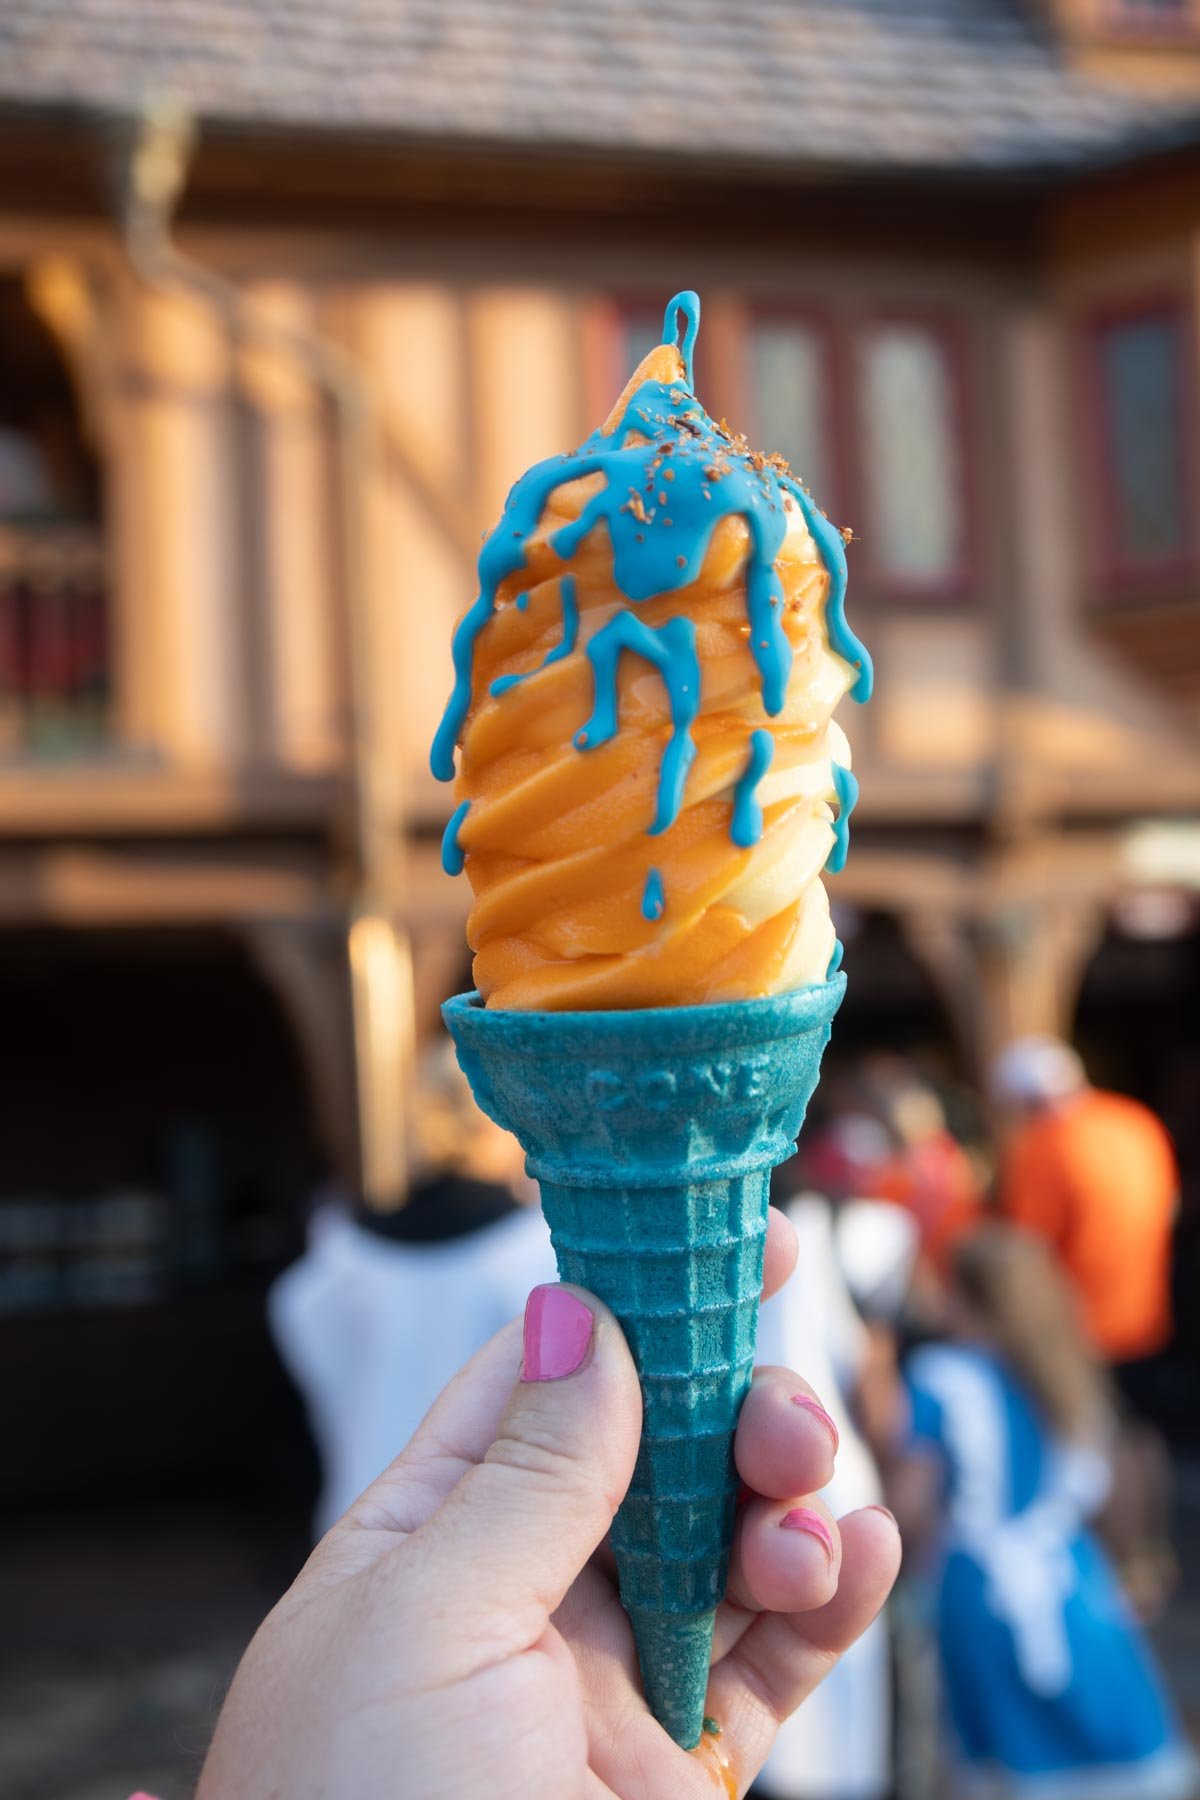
x=652, y=1135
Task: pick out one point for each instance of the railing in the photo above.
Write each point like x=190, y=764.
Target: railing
x=54, y=641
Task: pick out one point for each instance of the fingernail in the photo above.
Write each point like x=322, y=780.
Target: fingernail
x=558, y=1330
x=885, y=1510
x=818, y=1412
x=803, y=1518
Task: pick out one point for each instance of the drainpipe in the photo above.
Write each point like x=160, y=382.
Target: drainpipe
x=154, y=167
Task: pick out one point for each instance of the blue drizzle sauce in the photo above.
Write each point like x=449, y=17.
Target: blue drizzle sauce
x=747, y=822
x=661, y=501
x=832, y=546
x=845, y=786
x=685, y=306
x=653, y=899
x=521, y=601
x=672, y=650
x=835, y=961
x=566, y=593
x=452, y=850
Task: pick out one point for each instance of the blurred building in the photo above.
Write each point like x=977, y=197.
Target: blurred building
x=949, y=257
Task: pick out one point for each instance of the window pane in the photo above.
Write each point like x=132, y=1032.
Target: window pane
x=640, y=332
x=1141, y=379
x=914, y=526
x=789, y=395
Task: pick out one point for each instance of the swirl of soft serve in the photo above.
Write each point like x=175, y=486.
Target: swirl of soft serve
x=651, y=779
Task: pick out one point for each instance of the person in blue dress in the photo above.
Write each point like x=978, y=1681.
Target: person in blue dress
x=1051, y=1689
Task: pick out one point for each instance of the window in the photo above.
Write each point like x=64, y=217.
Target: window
x=790, y=372
x=641, y=328
x=635, y=327
x=915, y=526
x=1141, y=382
x=54, y=628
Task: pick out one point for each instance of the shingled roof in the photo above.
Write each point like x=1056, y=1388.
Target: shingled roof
x=930, y=85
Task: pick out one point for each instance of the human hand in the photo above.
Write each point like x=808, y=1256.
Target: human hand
x=458, y=1636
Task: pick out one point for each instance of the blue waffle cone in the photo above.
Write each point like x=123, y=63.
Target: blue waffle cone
x=652, y=1136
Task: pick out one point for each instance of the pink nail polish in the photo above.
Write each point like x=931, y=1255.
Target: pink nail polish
x=818, y=1412
x=558, y=1330
x=885, y=1510
x=803, y=1518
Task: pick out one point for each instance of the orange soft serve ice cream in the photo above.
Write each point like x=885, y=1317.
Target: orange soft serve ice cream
x=650, y=778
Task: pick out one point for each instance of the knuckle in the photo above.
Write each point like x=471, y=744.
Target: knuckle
x=537, y=1455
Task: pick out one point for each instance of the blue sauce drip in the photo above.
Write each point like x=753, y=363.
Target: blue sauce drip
x=672, y=650
x=845, y=786
x=661, y=501
x=653, y=899
x=687, y=306
x=835, y=961
x=452, y=851
x=747, y=823
x=566, y=590
x=832, y=546
x=521, y=601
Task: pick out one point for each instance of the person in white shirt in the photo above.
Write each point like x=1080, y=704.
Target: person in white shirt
x=381, y=1310
x=838, y=1746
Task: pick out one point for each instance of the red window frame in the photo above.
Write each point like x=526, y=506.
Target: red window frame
x=1112, y=568
x=821, y=321
x=951, y=330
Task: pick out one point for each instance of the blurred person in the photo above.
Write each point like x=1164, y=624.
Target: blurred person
x=859, y=1155
x=928, y=1171
x=847, y=1155
x=838, y=1747
x=382, y=1307
x=878, y=1248
x=896, y=1292
x=891, y=1141
x=1094, y=1174
x=1050, y=1688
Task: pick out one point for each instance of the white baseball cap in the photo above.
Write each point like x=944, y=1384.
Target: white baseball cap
x=1036, y=1069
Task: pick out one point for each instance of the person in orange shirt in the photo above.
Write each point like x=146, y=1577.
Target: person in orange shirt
x=1094, y=1173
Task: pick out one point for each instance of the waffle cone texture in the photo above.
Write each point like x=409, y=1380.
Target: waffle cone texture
x=652, y=1135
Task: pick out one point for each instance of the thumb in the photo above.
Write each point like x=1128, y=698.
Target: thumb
x=519, y=1526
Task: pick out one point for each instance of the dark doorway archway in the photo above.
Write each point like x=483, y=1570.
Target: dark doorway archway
x=158, y=1477
x=158, y=1151
x=891, y=1003
x=1135, y=1026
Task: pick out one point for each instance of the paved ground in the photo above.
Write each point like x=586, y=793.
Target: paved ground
x=117, y=1644
x=116, y=1647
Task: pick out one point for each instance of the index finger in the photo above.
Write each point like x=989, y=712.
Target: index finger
x=779, y=1257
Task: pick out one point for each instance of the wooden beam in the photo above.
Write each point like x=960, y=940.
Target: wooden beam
x=94, y=887
x=98, y=801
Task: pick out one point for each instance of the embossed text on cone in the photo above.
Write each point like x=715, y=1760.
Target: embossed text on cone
x=652, y=1135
